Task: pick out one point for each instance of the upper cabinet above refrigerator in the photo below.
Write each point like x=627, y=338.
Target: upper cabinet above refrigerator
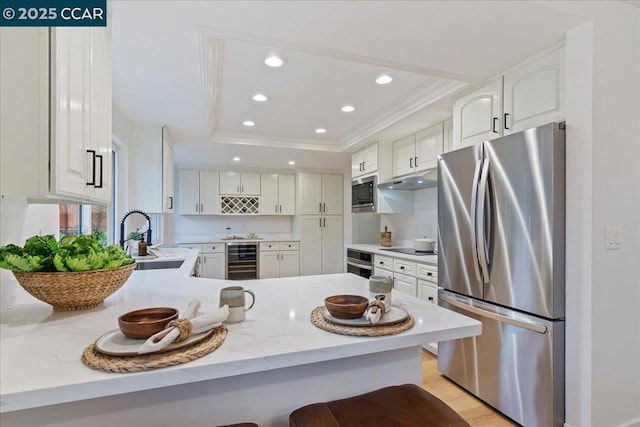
x=530, y=95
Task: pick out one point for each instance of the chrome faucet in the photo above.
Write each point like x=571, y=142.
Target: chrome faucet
x=122, y=226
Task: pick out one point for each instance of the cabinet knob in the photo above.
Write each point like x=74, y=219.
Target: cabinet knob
x=430, y=298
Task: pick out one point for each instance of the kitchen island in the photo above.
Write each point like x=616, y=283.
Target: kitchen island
x=269, y=365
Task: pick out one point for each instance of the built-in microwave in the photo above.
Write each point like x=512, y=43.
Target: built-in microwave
x=363, y=194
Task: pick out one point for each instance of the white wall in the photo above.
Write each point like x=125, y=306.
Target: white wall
x=423, y=222
x=603, y=188
x=19, y=221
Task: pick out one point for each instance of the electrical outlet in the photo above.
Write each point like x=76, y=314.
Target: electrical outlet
x=612, y=237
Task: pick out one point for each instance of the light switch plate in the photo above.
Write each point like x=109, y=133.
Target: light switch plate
x=612, y=237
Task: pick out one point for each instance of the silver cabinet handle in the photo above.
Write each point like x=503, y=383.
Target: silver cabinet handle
x=324, y=222
x=242, y=188
x=237, y=189
x=320, y=207
x=197, y=207
x=324, y=207
x=280, y=208
x=320, y=222
x=474, y=205
x=201, y=207
x=532, y=326
x=276, y=208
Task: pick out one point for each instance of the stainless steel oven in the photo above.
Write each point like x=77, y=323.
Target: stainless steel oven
x=242, y=261
x=360, y=263
x=363, y=194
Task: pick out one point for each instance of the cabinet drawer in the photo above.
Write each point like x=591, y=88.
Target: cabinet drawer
x=191, y=246
x=404, y=267
x=384, y=262
x=211, y=248
x=382, y=272
x=269, y=246
x=427, y=291
x=289, y=246
x=427, y=272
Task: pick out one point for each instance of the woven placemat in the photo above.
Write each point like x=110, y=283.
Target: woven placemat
x=123, y=364
x=360, y=331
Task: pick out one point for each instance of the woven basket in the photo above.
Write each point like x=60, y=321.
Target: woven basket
x=74, y=290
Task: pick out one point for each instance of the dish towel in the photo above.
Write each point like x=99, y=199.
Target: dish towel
x=377, y=307
x=192, y=322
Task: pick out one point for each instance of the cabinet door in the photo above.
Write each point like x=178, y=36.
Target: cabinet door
x=404, y=152
x=269, y=194
x=448, y=136
x=311, y=245
x=269, y=265
x=534, y=93
x=213, y=265
x=427, y=292
x=370, y=158
x=189, y=192
x=286, y=194
x=333, y=258
x=382, y=272
x=73, y=169
x=332, y=200
x=406, y=284
x=356, y=164
x=229, y=182
x=310, y=193
x=289, y=264
x=209, y=196
x=477, y=116
x=250, y=183
x=167, y=173
x=429, y=143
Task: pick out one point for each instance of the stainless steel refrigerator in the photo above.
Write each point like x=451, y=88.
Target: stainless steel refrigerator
x=501, y=221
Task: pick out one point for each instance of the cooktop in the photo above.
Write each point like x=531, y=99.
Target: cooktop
x=409, y=251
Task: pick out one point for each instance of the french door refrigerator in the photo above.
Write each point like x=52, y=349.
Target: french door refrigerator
x=501, y=223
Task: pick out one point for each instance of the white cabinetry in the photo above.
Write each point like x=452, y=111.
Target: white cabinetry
x=55, y=110
x=412, y=278
x=199, y=192
x=528, y=96
x=278, y=194
x=279, y=259
x=151, y=168
x=419, y=152
x=240, y=183
x=364, y=161
x=321, y=244
x=405, y=284
x=213, y=261
x=320, y=194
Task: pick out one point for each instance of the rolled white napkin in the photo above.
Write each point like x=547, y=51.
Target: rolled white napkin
x=199, y=324
x=377, y=308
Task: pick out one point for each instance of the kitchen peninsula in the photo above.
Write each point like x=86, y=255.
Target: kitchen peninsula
x=269, y=365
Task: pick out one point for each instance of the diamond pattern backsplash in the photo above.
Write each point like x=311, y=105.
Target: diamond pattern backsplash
x=240, y=205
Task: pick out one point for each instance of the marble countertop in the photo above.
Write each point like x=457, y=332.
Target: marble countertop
x=41, y=349
x=221, y=238
x=377, y=249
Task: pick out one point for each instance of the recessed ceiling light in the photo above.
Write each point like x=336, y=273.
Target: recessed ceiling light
x=390, y=187
x=384, y=79
x=292, y=162
x=236, y=159
x=274, y=61
x=321, y=130
x=260, y=97
x=248, y=123
x=420, y=182
x=348, y=108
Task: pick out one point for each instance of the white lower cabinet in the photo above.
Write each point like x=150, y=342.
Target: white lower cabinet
x=406, y=284
x=214, y=264
x=279, y=259
x=409, y=277
x=427, y=291
x=321, y=249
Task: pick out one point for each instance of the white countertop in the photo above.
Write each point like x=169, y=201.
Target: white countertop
x=41, y=349
x=221, y=238
x=377, y=249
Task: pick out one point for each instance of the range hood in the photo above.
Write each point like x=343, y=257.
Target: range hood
x=428, y=179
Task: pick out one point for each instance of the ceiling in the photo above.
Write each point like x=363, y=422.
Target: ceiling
x=194, y=66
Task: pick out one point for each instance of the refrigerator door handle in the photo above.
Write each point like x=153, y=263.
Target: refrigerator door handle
x=531, y=326
x=474, y=204
x=481, y=239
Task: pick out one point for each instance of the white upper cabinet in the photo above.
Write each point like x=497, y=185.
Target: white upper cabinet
x=528, y=96
x=55, y=109
x=278, y=194
x=447, y=135
x=240, y=183
x=534, y=93
x=199, y=192
x=419, y=152
x=320, y=194
x=151, y=168
x=364, y=161
x=477, y=116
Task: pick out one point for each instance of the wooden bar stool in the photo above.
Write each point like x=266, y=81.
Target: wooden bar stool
x=405, y=405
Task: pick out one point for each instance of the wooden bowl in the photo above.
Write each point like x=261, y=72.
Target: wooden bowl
x=346, y=306
x=141, y=324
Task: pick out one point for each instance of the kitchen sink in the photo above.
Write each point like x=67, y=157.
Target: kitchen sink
x=159, y=265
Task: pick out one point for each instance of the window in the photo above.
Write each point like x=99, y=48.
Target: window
x=84, y=219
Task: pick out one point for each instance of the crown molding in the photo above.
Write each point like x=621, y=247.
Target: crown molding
x=427, y=94
x=211, y=52
x=231, y=137
x=282, y=44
